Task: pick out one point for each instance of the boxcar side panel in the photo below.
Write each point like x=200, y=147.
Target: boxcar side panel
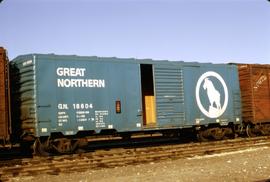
x=23, y=100
x=212, y=94
x=169, y=95
x=189, y=94
x=4, y=90
x=246, y=93
x=77, y=95
x=255, y=89
x=69, y=94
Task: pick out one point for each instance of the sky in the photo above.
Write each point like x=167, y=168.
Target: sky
x=217, y=31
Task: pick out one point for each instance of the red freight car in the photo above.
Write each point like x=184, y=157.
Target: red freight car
x=5, y=129
x=255, y=92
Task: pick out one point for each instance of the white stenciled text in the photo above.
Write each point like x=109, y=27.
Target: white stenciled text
x=76, y=82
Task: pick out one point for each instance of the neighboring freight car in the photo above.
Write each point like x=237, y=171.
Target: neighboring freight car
x=4, y=99
x=63, y=98
x=255, y=90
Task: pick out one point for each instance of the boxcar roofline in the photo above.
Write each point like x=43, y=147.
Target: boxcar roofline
x=112, y=59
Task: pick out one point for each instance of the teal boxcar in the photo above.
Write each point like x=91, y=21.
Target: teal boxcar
x=69, y=94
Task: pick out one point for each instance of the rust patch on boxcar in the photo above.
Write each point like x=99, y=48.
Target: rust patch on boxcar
x=255, y=92
x=4, y=100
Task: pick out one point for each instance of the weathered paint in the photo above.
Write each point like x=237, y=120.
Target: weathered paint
x=4, y=97
x=255, y=89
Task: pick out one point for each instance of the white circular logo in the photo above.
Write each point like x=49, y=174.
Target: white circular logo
x=215, y=107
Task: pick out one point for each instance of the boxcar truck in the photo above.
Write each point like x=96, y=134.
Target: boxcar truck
x=64, y=98
x=5, y=125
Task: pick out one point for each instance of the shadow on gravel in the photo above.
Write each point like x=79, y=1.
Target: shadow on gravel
x=137, y=142
x=264, y=180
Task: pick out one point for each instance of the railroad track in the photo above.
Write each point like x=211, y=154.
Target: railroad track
x=121, y=157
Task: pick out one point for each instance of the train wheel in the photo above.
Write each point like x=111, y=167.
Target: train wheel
x=217, y=133
x=265, y=129
x=40, y=147
x=229, y=134
x=79, y=146
x=203, y=136
x=63, y=145
x=250, y=131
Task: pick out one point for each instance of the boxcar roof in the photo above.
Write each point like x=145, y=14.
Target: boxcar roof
x=106, y=59
x=254, y=65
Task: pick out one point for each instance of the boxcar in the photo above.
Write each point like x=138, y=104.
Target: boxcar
x=255, y=92
x=67, y=95
x=4, y=99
